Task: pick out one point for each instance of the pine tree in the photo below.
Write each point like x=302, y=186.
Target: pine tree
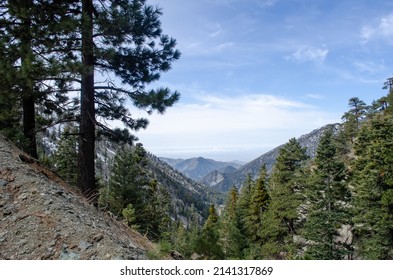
x=127, y=184
x=231, y=239
x=129, y=215
x=65, y=157
x=258, y=204
x=354, y=118
x=209, y=245
x=282, y=215
x=33, y=59
x=328, y=197
x=259, y=199
x=155, y=217
x=123, y=38
x=373, y=189
x=180, y=241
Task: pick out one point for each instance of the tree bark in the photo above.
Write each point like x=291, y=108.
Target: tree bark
x=86, y=176
x=28, y=100
x=29, y=123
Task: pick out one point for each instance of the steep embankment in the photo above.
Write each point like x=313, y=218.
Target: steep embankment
x=41, y=217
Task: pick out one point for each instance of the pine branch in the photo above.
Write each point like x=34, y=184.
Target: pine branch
x=64, y=120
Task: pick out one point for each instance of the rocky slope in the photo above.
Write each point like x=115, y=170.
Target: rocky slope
x=41, y=217
x=185, y=194
x=224, y=181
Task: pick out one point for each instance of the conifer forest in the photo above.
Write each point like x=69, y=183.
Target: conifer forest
x=69, y=68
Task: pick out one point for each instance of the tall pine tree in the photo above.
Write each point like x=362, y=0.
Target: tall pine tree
x=373, y=189
x=282, y=215
x=209, y=243
x=328, y=198
x=231, y=239
x=34, y=56
x=259, y=199
x=123, y=38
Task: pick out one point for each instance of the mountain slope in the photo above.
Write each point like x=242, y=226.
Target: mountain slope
x=224, y=181
x=198, y=167
x=185, y=193
x=41, y=217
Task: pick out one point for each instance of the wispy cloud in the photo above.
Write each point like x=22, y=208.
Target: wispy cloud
x=383, y=29
x=309, y=54
x=217, y=30
x=254, y=121
x=223, y=46
x=315, y=96
x=266, y=3
x=370, y=67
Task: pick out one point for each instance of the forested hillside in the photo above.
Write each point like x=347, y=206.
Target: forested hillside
x=336, y=205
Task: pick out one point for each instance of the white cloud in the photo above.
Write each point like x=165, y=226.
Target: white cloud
x=223, y=46
x=218, y=30
x=309, y=54
x=383, y=29
x=370, y=67
x=267, y=3
x=216, y=123
x=315, y=96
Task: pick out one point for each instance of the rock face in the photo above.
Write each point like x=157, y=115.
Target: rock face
x=41, y=217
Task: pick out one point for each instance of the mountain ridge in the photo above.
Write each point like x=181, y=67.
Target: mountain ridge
x=224, y=181
x=198, y=167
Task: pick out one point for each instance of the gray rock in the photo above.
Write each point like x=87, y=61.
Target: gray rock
x=8, y=210
x=3, y=237
x=98, y=237
x=84, y=245
x=3, y=183
x=23, y=196
x=65, y=255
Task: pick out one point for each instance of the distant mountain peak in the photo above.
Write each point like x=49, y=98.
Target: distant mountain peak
x=198, y=167
x=224, y=181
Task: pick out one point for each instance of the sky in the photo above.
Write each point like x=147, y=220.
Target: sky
x=255, y=73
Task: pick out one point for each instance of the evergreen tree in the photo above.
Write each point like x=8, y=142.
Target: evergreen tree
x=123, y=38
x=258, y=204
x=373, y=189
x=353, y=118
x=127, y=184
x=282, y=215
x=231, y=239
x=209, y=245
x=156, y=213
x=129, y=215
x=259, y=199
x=33, y=58
x=65, y=157
x=244, y=202
x=328, y=197
x=387, y=101
x=180, y=241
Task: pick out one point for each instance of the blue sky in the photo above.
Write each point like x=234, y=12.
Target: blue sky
x=255, y=73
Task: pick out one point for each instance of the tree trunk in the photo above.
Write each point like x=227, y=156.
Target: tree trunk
x=86, y=176
x=28, y=102
x=29, y=122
